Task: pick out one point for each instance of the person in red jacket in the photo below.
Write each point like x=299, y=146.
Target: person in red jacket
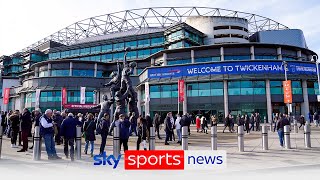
x=198, y=123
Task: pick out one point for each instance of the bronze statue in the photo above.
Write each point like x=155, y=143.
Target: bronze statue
x=115, y=82
x=104, y=106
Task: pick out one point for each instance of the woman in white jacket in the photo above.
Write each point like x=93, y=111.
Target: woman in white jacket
x=178, y=128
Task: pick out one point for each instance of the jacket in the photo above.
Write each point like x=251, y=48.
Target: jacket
x=168, y=125
x=142, y=130
x=89, y=127
x=26, y=122
x=282, y=122
x=105, y=125
x=124, y=129
x=14, y=121
x=149, y=122
x=156, y=120
x=184, y=121
x=37, y=120
x=58, y=120
x=68, y=128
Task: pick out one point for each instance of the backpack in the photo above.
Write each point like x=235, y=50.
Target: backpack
x=99, y=128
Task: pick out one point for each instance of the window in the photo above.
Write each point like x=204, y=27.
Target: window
x=106, y=48
x=43, y=74
x=157, y=41
x=75, y=52
x=60, y=72
x=264, y=57
x=276, y=87
x=164, y=91
x=175, y=45
x=174, y=36
x=180, y=61
x=207, y=59
x=132, y=44
x=155, y=50
x=205, y=89
x=220, y=27
x=118, y=56
x=144, y=43
x=106, y=57
x=118, y=46
x=143, y=53
x=83, y=73
x=296, y=87
x=103, y=74
x=50, y=96
x=246, y=87
x=96, y=49
x=132, y=55
x=240, y=57
x=84, y=51
x=94, y=58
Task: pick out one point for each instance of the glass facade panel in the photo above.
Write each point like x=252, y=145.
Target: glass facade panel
x=207, y=59
x=96, y=49
x=205, y=89
x=157, y=41
x=264, y=57
x=106, y=48
x=132, y=44
x=118, y=56
x=106, y=57
x=118, y=46
x=43, y=74
x=143, y=53
x=276, y=87
x=246, y=88
x=82, y=73
x=243, y=57
x=60, y=72
x=132, y=55
x=180, y=61
x=155, y=50
x=144, y=43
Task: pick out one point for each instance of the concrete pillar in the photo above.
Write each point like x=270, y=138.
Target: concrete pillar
x=185, y=103
x=214, y=138
x=265, y=137
x=22, y=101
x=307, y=139
x=36, y=71
x=184, y=138
x=240, y=138
x=252, y=53
x=139, y=100
x=225, y=98
x=305, y=104
x=287, y=143
x=152, y=62
x=49, y=69
x=95, y=69
x=221, y=54
x=78, y=143
x=152, y=141
x=116, y=141
x=299, y=55
x=37, y=144
x=147, y=98
x=269, y=105
x=71, y=67
x=164, y=59
x=192, y=56
x=279, y=53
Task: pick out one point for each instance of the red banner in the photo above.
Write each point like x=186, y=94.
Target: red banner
x=78, y=106
x=181, y=90
x=287, y=92
x=6, y=95
x=64, y=96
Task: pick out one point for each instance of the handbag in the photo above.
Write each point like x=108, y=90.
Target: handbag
x=84, y=135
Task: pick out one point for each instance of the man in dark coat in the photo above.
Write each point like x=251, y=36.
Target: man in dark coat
x=36, y=120
x=89, y=127
x=168, y=127
x=280, y=128
x=57, y=123
x=15, y=126
x=124, y=125
x=26, y=125
x=69, y=131
x=157, y=123
x=105, y=125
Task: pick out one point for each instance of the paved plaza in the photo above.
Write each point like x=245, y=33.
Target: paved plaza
x=254, y=159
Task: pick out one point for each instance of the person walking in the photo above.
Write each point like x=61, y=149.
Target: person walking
x=124, y=126
x=214, y=120
x=14, y=128
x=302, y=121
x=157, y=123
x=247, y=123
x=227, y=123
x=46, y=131
x=105, y=125
x=178, y=128
x=89, y=127
x=168, y=127
x=68, y=130
x=142, y=133
x=26, y=125
x=198, y=123
x=252, y=121
x=133, y=122
x=280, y=128
x=57, y=121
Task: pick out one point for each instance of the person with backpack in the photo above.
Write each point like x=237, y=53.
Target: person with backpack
x=103, y=131
x=142, y=133
x=89, y=127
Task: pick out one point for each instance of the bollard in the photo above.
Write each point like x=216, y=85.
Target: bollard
x=36, y=144
x=116, y=141
x=287, y=143
x=265, y=137
x=295, y=126
x=185, y=138
x=214, y=139
x=271, y=126
x=307, y=138
x=240, y=138
x=152, y=140
x=1, y=132
x=78, y=143
x=265, y=120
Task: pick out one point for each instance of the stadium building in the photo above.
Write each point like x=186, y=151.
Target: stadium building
x=230, y=61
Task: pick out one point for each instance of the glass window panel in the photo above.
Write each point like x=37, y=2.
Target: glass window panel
x=143, y=53
x=165, y=94
x=246, y=84
x=118, y=46
x=155, y=50
x=193, y=86
x=275, y=83
x=296, y=84
x=155, y=94
x=244, y=57
x=259, y=84
x=216, y=92
x=132, y=44
x=154, y=88
x=246, y=91
x=83, y=73
x=234, y=84
x=204, y=92
x=106, y=48
x=181, y=61
x=174, y=93
x=234, y=91
x=216, y=85
x=204, y=86
x=166, y=88
x=258, y=91
x=296, y=90
x=144, y=43
x=276, y=90
x=106, y=58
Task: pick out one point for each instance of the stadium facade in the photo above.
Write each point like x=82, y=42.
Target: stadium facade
x=230, y=61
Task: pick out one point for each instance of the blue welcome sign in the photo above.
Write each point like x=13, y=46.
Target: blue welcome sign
x=239, y=67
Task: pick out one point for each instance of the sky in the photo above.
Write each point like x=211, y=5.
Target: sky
x=24, y=22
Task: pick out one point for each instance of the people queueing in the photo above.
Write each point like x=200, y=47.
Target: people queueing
x=36, y=119
x=68, y=131
x=142, y=133
x=14, y=128
x=302, y=121
x=157, y=122
x=198, y=123
x=105, y=125
x=168, y=127
x=124, y=126
x=89, y=128
x=280, y=128
x=47, y=132
x=178, y=128
x=133, y=122
x=57, y=121
x=26, y=125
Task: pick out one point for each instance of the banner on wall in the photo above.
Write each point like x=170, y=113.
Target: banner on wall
x=38, y=92
x=64, y=96
x=181, y=90
x=147, y=92
x=287, y=92
x=82, y=95
x=6, y=96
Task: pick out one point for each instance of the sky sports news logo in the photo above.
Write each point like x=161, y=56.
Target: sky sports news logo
x=166, y=160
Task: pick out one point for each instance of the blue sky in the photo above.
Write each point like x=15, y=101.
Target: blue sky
x=25, y=22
